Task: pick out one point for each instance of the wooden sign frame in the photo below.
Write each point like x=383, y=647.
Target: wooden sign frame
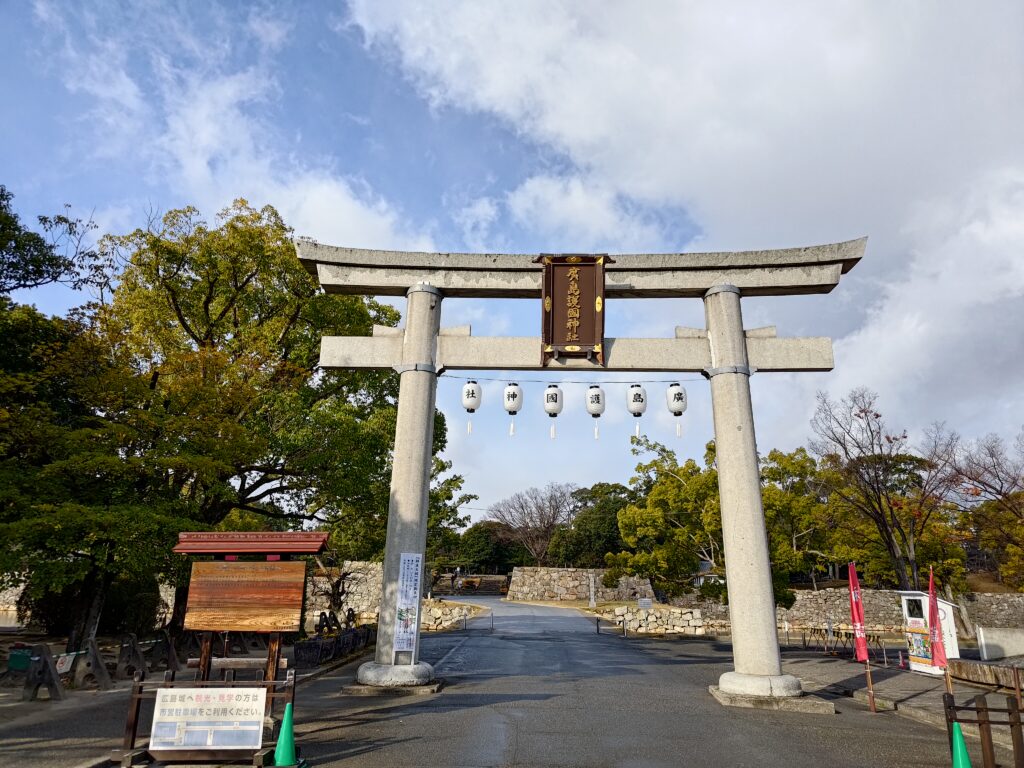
x=572, y=306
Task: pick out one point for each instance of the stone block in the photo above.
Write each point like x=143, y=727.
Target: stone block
x=810, y=705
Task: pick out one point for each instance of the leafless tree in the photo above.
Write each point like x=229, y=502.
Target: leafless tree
x=991, y=488
x=874, y=473
x=334, y=579
x=532, y=516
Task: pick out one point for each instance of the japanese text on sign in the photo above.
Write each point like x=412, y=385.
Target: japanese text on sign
x=208, y=718
x=407, y=615
x=573, y=306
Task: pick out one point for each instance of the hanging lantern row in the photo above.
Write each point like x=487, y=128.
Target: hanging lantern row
x=554, y=401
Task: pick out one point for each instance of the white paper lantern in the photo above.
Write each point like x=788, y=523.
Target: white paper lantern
x=513, y=401
x=553, y=402
x=470, y=401
x=595, y=405
x=636, y=402
x=675, y=398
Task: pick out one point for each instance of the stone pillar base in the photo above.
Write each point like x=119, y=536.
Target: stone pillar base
x=395, y=675
x=810, y=705
x=775, y=686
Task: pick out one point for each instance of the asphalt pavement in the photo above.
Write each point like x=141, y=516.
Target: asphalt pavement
x=542, y=688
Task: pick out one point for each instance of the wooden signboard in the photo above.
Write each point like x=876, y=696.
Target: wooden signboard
x=572, y=300
x=245, y=597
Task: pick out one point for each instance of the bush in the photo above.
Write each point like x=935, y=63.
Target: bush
x=132, y=605
x=712, y=590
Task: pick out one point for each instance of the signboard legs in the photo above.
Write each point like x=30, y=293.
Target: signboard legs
x=410, y=484
x=758, y=665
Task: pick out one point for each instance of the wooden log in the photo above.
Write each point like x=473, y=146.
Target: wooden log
x=238, y=663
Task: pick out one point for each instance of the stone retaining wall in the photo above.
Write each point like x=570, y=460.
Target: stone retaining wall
x=436, y=615
x=9, y=599
x=659, y=620
x=995, y=609
x=882, y=610
x=363, y=589
x=543, y=584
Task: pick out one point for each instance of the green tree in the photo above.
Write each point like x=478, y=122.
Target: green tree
x=795, y=514
x=489, y=546
x=193, y=399
x=594, y=530
x=79, y=503
x=227, y=324
x=29, y=259
x=674, y=526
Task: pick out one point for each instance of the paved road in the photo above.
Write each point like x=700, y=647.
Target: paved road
x=545, y=690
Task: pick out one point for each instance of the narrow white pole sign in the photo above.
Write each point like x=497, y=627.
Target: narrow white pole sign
x=407, y=616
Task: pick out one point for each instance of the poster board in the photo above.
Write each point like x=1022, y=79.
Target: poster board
x=407, y=613
x=207, y=719
x=916, y=631
x=231, y=596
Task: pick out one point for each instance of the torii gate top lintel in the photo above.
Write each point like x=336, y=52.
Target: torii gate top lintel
x=788, y=271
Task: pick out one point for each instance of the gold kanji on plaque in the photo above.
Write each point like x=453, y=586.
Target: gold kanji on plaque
x=573, y=304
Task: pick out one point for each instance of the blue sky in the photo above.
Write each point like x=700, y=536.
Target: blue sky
x=564, y=126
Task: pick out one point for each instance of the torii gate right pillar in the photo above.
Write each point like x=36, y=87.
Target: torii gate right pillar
x=758, y=665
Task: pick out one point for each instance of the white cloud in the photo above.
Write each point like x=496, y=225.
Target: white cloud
x=271, y=32
x=177, y=96
x=572, y=213
x=777, y=127
x=476, y=220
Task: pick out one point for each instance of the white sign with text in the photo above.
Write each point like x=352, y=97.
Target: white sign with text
x=407, y=615
x=208, y=718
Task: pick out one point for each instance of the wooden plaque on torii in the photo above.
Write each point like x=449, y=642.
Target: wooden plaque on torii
x=572, y=306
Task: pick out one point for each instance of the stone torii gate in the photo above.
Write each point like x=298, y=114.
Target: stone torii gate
x=723, y=352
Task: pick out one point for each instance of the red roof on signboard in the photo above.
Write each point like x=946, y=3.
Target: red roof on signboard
x=251, y=542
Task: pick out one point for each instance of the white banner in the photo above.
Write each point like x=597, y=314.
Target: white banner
x=208, y=718
x=407, y=616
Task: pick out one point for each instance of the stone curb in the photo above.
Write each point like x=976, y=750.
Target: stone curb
x=1000, y=736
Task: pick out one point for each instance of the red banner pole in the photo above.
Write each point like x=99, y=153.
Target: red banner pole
x=871, y=687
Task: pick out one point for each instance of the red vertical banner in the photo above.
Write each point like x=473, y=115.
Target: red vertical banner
x=860, y=639
x=935, y=640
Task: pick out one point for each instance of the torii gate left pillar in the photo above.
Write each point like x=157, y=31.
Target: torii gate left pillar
x=724, y=352
x=410, y=484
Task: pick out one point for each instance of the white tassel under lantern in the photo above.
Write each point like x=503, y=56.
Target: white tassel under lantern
x=513, y=401
x=675, y=397
x=595, y=405
x=553, y=402
x=636, y=402
x=470, y=401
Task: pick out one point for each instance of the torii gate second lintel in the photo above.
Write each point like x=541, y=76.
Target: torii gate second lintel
x=725, y=353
